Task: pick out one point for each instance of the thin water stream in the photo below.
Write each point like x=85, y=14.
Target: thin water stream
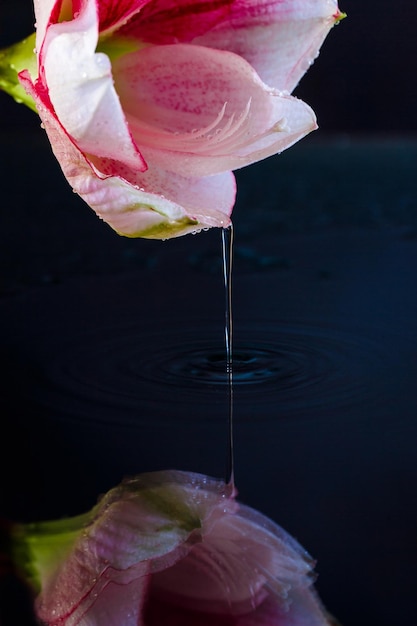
x=227, y=258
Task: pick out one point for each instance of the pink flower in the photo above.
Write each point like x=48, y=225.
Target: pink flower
x=169, y=549
x=150, y=104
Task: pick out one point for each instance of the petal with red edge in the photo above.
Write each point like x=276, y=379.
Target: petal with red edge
x=81, y=89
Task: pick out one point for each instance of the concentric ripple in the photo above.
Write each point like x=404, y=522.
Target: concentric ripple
x=279, y=370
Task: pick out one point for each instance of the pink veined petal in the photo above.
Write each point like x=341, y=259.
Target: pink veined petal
x=207, y=107
x=175, y=21
x=80, y=86
x=159, y=205
x=279, y=38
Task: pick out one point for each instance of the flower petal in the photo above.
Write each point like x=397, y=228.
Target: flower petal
x=80, y=86
x=207, y=106
x=156, y=205
x=279, y=38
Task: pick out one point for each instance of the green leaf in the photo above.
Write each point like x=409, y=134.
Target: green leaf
x=18, y=57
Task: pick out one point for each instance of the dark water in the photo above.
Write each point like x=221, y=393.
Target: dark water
x=113, y=362
x=283, y=370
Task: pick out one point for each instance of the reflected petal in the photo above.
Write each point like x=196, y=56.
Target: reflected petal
x=170, y=548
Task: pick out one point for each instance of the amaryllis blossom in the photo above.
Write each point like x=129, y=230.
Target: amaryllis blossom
x=169, y=549
x=150, y=105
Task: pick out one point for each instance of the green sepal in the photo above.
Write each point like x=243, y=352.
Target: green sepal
x=340, y=17
x=115, y=47
x=38, y=548
x=18, y=57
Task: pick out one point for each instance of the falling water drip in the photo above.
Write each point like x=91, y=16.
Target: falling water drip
x=227, y=257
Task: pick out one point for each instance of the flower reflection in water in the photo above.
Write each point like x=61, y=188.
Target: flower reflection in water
x=168, y=548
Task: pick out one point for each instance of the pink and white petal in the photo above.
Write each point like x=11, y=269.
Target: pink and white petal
x=161, y=205
x=180, y=88
x=80, y=86
x=197, y=111
x=175, y=21
x=279, y=38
